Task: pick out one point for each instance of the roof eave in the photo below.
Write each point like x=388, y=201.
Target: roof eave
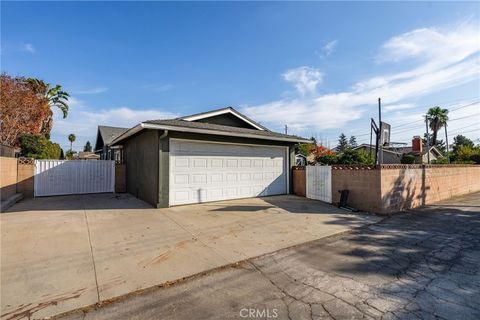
x=223, y=111
x=144, y=125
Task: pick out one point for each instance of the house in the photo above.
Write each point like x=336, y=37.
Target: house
x=105, y=136
x=83, y=155
x=216, y=155
x=393, y=155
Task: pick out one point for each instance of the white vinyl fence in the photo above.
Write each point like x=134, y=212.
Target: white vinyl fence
x=319, y=183
x=61, y=177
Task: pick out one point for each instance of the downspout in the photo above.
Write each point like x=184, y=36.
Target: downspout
x=161, y=202
x=164, y=134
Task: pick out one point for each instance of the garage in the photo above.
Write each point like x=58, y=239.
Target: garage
x=206, y=171
x=211, y=156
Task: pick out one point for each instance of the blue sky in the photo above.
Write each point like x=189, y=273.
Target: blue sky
x=316, y=66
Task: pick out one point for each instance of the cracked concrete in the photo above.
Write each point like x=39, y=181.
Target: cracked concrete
x=421, y=265
x=70, y=252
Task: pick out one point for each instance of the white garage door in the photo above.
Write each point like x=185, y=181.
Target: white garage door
x=201, y=171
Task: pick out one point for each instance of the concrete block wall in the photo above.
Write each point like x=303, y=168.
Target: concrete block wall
x=409, y=187
x=8, y=177
x=394, y=188
x=363, y=184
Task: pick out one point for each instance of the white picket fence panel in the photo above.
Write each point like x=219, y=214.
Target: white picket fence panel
x=319, y=183
x=62, y=177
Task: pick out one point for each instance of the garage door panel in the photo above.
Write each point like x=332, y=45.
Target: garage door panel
x=202, y=171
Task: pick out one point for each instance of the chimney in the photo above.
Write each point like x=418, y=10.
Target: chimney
x=417, y=144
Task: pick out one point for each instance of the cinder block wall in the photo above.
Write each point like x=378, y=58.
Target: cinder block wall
x=363, y=184
x=396, y=188
x=410, y=187
x=8, y=177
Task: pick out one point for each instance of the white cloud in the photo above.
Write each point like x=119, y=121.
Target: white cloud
x=83, y=120
x=27, y=47
x=158, y=87
x=329, y=47
x=305, y=79
x=398, y=107
x=93, y=90
x=443, y=58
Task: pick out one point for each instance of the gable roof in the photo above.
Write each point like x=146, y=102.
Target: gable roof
x=108, y=134
x=368, y=146
x=217, y=112
x=401, y=150
x=208, y=128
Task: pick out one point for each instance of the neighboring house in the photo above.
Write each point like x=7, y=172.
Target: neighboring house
x=211, y=156
x=83, y=155
x=393, y=155
x=389, y=156
x=103, y=148
x=8, y=151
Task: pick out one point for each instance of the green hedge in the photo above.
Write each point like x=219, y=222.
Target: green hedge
x=39, y=147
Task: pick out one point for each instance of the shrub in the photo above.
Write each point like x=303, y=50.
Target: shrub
x=407, y=159
x=467, y=154
x=327, y=159
x=351, y=156
x=475, y=158
x=38, y=147
x=440, y=160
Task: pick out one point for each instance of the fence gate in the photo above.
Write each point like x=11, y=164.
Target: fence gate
x=61, y=177
x=319, y=183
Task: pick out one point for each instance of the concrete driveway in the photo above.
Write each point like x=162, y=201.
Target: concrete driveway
x=420, y=265
x=63, y=253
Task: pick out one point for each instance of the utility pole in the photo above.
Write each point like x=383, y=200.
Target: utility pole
x=428, y=140
x=286, y=129
x=446, y=141
x=380, y=155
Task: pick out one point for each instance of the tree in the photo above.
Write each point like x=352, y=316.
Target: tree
x=440, y=144
x=39, y=147
x=53, y=96
x=352, y=156
x=71, y=138
x=460, y=141
x=407, y=159
x=305, y=149
x=467, y=154
x=342, y=143
x=324, y=155
x=437, y=119
x=21, y=110
x=87, y=147
x=70, y=154
x=352, y=143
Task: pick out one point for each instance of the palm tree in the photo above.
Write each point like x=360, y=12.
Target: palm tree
x=71, y=138
x=54, y=96
x=437, y=119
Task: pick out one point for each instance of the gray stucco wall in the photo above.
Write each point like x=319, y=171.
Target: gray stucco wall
x=227, y=120
x=142, y=170
x=147, y=160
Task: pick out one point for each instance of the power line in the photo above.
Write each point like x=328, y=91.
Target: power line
x=474, y=130
x=458, y=108
x=471, y=125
